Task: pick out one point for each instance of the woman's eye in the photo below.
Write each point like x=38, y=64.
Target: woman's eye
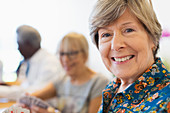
x=106, y=35
x=129, y=30
x=62, y=53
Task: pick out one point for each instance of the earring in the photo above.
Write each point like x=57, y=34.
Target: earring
x=154, y=49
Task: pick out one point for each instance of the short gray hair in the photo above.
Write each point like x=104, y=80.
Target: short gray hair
x=28, y=34
x=107, y=11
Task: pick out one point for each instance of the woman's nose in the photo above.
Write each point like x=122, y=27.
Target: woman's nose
x=117, y=42
x=65, y=58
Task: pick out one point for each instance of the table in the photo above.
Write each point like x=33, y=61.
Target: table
x=8, y=104
x=5, y=103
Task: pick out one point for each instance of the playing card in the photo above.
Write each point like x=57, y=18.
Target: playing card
x=11, y=109
x=32, y=100
x=41, y=103
x=35, y=100
x=15, y=109
x=6, y=111
x=23, y=111
x=25, y=100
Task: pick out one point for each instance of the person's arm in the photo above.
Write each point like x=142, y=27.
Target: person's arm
x=35, y=109
x=95, y=104
x=11, y=92
x=45, y=93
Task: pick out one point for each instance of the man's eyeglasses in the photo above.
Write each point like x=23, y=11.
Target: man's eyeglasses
x=70, y=55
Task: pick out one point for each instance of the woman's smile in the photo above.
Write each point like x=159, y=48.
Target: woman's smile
x=124, y=59
x=69, y=67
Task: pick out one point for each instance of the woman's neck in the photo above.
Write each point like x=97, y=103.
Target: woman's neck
x=125, y=83
x=124, y=86
x=82, y=76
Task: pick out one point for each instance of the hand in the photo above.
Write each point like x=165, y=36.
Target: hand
x=21, y=105
x=36, y=109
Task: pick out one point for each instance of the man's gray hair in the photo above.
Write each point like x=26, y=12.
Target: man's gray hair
x=28, y=34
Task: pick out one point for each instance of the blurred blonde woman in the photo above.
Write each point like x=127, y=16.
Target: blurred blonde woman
x=80, y=89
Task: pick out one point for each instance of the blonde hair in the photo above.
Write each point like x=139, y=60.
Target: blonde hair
x=107, y=11
x=75, y=40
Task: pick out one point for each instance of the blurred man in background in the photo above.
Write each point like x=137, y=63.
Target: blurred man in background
x=38, y=67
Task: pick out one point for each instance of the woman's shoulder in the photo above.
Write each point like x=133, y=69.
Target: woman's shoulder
x=98, y=84
x=100, y=77
x=60, y=79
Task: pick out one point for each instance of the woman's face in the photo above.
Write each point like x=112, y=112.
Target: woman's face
x=72, y=60
x=125, y=47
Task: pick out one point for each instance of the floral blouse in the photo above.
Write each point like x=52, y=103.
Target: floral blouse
x=150, y=93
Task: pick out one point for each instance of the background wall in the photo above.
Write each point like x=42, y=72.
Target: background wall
x=162, y=9
x=55, y=18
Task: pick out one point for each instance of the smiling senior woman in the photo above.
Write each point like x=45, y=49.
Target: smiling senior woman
x=127, y=35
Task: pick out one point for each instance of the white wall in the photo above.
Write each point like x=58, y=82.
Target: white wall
x=53, y=19
x=162, y=9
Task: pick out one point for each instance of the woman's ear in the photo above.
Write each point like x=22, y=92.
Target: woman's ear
x=85, y=57
x=152, y=44
x=154, y=48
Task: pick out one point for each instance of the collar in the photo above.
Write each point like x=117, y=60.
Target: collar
x=110, y=92
x=136, y=91
x=140, y=88
x=36, y=55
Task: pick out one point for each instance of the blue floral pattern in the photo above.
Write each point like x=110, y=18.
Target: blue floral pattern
x=150, y=93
